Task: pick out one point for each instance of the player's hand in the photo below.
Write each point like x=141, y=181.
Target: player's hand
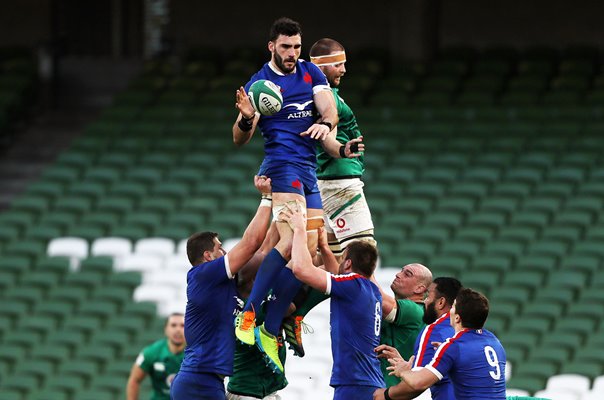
x=323, y=242
x=354, y=147
x=385, y=351
x=263, y=184
x=379, y=394
x=317, y=131
x=399, y=365
x=293, y=215
x=243, y=104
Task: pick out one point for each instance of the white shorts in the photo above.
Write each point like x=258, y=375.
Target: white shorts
x=345, y=209
x=231, y=396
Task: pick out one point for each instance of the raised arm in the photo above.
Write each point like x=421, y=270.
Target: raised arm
x=335, y=149
x=246, y=122
x=255, y=232
x=302, y=264
x=388, y=303
x=326, y=106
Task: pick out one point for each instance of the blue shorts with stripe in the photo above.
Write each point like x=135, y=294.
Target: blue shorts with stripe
x=293, y=178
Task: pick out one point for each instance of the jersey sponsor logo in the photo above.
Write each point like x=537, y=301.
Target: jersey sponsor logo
x=307, y=78
x=296, y=184
x=299, y=106
x=301, y=114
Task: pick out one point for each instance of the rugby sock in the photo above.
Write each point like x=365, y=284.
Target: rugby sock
x=266, y=277
x=284, y=292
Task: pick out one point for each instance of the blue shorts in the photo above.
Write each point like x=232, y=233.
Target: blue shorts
x=354, y=392
x=292, y=178
x=198, y=386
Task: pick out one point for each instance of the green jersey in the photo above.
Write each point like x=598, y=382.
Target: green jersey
x=348, y=129
x=161, y=365
x=251, y=376
x=401, y=333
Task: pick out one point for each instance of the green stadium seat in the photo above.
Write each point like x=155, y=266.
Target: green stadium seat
x=71, y=294
x=45, y=394
x=23, y=383
x=509, y=295
x=38, y=368
x=567, y=339
x=70, y=384
x=48, y=190
x=73, y=205
x=535, y=325
x=65, y=338
x=34, y=204
x=551, y=247
x=562, y=296
x=41, y=325
x=119, y=295
x=114, y=383
x=115, y=161
x=482, y=281
x=26, y=340
x=128, y=279
x=478, y=234
x=538, y=262
x=52, y=352
x=557, y=356
x=528, y=279
x=541, y=369
x=85, y=324
x=522, y=340
x=525, y=234
x=103, y=310
x=162, y=205
x=590, y=369
x=83, y=369
x=10, y=394
x=29, y=295
x=577, y=324
x=576, y=280
x=85, y=279
x=95, y=394
x=102, y=264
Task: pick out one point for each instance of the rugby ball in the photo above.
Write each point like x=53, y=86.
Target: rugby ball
x=266, y=97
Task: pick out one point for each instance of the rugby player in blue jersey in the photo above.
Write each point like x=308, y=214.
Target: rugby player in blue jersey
x=290, y=137
x=473, y=358
x=441, y=295
x=212, y=304
x=356, y=311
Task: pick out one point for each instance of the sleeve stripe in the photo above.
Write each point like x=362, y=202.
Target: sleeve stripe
x=227, y=267
x=434, y=371
x=328, y=276
x=346, y=277
x=318, y=88
x=425, y=340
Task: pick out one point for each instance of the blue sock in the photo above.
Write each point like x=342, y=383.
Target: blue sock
x=284, y=292
x=266, y=277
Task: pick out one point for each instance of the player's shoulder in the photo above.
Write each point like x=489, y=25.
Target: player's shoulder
x=155, y=347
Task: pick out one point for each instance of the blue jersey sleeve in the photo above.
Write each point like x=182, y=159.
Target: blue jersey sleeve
x=343, y=286
x=444, y=358
x=209, y=274
x=319, y=80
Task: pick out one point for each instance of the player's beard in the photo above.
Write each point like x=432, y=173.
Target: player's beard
x=281, y=65
x=429, y=314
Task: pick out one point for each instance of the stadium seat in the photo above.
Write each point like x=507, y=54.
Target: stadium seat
x=111, y=246
x=160, y=246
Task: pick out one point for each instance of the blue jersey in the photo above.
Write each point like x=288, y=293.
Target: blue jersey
x=211, y=305
x=474, y=359
x=281, y=131
x=438, y=331
x=356, y=316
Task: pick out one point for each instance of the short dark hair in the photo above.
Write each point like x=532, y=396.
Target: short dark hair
x=448, y=288
x=363, y=256
x=324, y=47
x=174, y=314
x=284, y=26
x=472, y=307
x=197, y=244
